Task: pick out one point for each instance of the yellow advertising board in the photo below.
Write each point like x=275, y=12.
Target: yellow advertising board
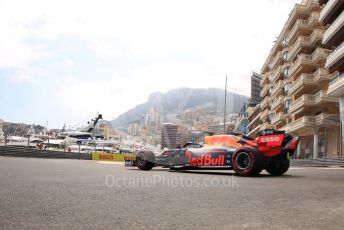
x=108, y=157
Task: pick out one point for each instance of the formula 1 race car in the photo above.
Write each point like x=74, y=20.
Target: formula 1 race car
x=246, y=156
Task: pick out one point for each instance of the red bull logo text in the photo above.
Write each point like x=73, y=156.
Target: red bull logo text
x=205, y=160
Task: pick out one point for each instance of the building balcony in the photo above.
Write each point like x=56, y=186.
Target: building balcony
x=296, y=23
x=265, y=79
x=278, y=74
x=297, y=46
x=305, y=80
x=320, y=55
x=278, y=102
x=265, y=68
x=277, y=118
x=264, y=114
x=335, y=61
x=267, y=64
x=240, y=124
x=286, y=98
x=322, y=119
x=253, y=121
x=333, y=36
x=313, y=19
x=264, y=90
x=264, y=103
x=316, y=36
x=287, y=82
x=304, y=27
x=336, y=87
x=266, y=125
x=253, y=130
x=312, y=100
x=277, y=87
x=300, y=27
x=271, y=77
x=301, y=11
x=302, y=60
x=303, y=42
x=309, y=60
x=277, y=60
x=252, y=113
x=330, y=11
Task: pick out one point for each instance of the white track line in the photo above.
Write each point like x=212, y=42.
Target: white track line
x=110, y=162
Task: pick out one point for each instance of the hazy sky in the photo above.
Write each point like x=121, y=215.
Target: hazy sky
x=62, y=61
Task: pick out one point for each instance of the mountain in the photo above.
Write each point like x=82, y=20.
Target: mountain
x=179, y=100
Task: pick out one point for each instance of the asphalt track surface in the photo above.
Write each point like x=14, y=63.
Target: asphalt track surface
x=76, y=194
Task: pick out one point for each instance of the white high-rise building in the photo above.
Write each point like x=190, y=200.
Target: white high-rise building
x=2, y=137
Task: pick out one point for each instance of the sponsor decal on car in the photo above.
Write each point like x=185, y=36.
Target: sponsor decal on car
x=270, y=139
x=205, y=160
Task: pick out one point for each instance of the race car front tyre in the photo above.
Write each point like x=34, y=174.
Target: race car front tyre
x=247, y=162
x=278, y=167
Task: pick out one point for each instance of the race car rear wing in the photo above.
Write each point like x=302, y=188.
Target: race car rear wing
x=270, y=132
x=271, y=142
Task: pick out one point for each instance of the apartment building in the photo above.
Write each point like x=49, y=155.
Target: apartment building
x=253, y=109
x=255, y=89
x=242, y=120
x=332, y=15
x=294, y=86
x=2, y=137
x=216, y=128
x=169, y=135
x=173, y=135
x=254, y=124
x=196, y=136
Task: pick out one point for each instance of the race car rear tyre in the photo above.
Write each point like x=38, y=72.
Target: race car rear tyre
x=145, y=160
x=278, y=167
x=248, y=162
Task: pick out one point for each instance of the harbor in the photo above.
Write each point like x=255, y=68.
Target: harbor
x=87, y=140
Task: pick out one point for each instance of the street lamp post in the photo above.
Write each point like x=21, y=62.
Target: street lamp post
x=225, y=110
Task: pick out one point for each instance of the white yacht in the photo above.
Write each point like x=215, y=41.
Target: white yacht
x=76, y=137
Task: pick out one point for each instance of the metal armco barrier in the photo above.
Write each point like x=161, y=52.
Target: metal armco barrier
x=20, y=151
x=321, y=162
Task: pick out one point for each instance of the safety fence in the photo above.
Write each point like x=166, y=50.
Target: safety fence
x=320, y=162
x=23, y=151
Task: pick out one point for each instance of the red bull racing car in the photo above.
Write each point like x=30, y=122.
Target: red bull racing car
x=246, y=156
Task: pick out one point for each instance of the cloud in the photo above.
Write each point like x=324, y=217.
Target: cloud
x=120, y=93
x=17, y=54
x=68, y=63
x=135, y=47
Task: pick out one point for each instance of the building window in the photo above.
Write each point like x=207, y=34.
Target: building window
x=285, y=56
x=287, y=105
x=286, y=71
x=285, y=43
x=286, y=90
x=271, y=115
